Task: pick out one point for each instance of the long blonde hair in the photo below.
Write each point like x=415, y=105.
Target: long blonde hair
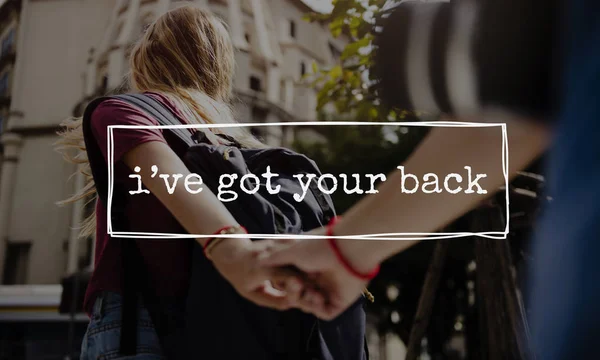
x=187, y=55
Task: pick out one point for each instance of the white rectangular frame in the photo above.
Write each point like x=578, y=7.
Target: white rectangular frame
x=388, y=236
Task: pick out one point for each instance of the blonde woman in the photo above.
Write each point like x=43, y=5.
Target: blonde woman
x=185, y=61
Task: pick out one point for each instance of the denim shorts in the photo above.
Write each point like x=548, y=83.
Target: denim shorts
x=102, y=338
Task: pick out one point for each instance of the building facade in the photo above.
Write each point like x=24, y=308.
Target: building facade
x=57, y=55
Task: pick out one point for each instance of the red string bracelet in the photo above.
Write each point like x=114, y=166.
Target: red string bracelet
x=345, y=263
x=215, y=233
x=231, y=229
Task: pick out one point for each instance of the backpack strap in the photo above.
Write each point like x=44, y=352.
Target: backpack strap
x=146, y=103
x=156, y=110
x=165, y=117
x=95, y=158
x=134, y=277
x=100, y=174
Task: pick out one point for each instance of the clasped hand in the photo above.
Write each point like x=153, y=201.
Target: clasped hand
x=284, y=274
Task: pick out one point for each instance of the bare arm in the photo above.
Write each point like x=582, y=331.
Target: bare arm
x=204, y=214
x=443, y=151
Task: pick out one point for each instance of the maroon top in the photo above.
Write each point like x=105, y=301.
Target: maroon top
x=167, y=261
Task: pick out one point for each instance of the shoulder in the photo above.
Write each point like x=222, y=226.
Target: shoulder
x=118, y=112
x=115, y=111
x=111, y=112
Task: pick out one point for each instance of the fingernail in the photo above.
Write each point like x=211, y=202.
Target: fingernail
x=263, y=256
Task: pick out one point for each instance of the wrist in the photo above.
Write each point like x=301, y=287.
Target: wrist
x=358, y=264
x=230, y=249
x=362, y=254
x=219, y=245
x=366, y=254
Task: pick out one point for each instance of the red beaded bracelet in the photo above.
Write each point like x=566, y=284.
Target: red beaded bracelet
x=345, y=263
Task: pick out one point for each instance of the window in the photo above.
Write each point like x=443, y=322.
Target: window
x=282, y=91
x=292, y=29
x=4, y=84
x=247, y=36
x=8, y=41
x=16, y=263
x=104, y=84
x=1, y=123
x=302, y=68
x=255, y=83
x=259, y=115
